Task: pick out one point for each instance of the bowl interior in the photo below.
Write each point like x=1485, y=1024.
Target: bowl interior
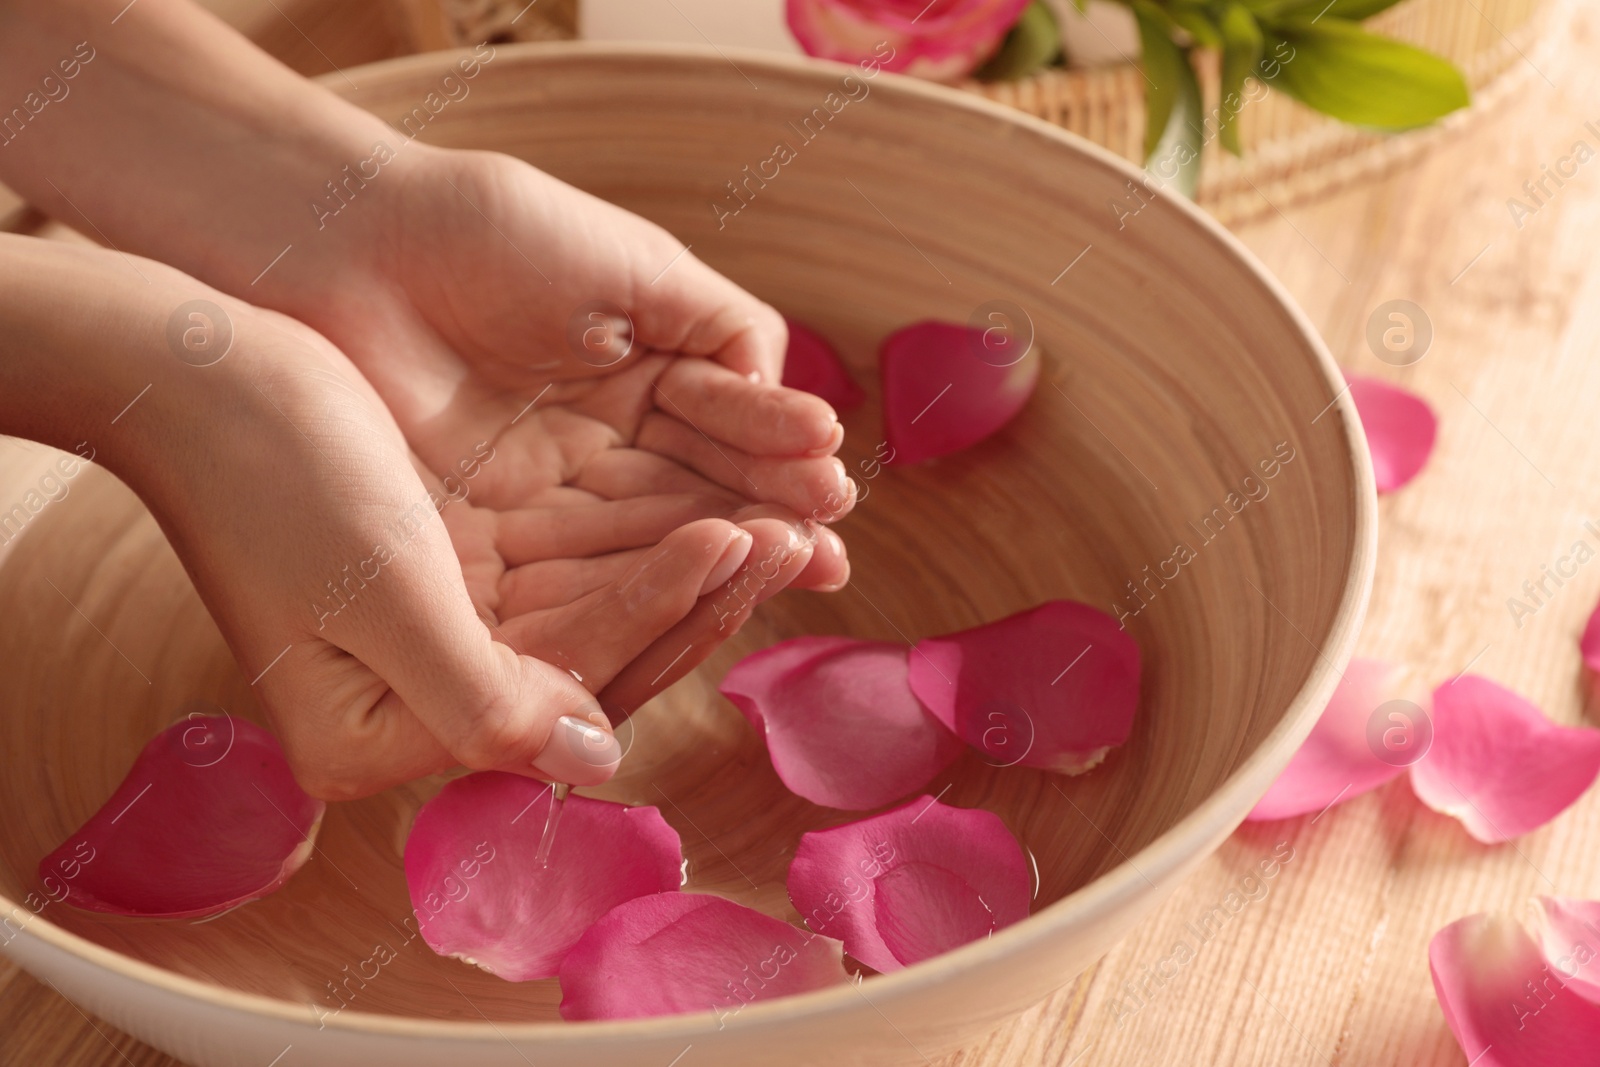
x=1172, y=465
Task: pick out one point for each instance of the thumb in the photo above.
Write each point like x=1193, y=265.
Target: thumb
x=406, y=679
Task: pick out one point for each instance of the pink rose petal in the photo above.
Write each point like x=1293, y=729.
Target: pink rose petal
x=209, y=817
x=1569, y=936
x=1053, y=687
x=1400, y=428
x=813, y=365
x=1498, y=764
x=1589, y=644
x=906, y=885
x=842, y=726
x=683, y=952
x=1482, y=966
x=943, y=40
x=481, y=895
x=1338, y=761
x=940, y=395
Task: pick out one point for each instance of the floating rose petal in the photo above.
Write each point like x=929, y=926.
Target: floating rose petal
x=683, y=952
x=209, y=817
x=942, y=41
x=911, y=883
x=1053, y=687
x=1498, y=764
x=842, y=726
x=1589, y=644
x=1482, y=969
x=1569, y=935
x=1400, y=428
x=482, y=896
x=813, y=365
x=1355, y=747
x=940, y=392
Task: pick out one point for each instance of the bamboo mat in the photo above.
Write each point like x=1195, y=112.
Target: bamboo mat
x=1329, y=966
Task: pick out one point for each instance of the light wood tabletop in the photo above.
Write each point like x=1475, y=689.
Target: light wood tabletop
x=1326, y=961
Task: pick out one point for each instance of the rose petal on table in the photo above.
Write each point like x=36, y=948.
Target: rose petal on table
x=915, y=881
x=1053, y=687
x=481, y=894
x=1589, y=643
x=209, y=817
x=685, y=952
x=1337, y=762
x=1498, y=764
x=1400, y=429
x=940, y=395
x=841, y=724
x=814, y=365
x=1568, y=932
x=1482, y=966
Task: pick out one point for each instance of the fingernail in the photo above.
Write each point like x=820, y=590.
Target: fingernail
x=577, y=751
x=835, y=439
x=732, y=558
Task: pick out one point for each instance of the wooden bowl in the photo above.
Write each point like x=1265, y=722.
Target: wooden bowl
x=1177, y=373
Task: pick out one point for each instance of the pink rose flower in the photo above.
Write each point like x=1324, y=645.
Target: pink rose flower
x=938, y=39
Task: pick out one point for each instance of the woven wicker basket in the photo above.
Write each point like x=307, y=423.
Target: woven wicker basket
x=1291, y=154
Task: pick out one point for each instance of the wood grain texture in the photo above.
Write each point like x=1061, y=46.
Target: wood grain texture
x=1328, y=964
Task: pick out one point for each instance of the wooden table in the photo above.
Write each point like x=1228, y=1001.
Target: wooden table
x=1327, y=961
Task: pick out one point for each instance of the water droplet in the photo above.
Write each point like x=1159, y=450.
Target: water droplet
x=558, y=800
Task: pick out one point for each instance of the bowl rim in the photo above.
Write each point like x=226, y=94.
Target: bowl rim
x=1184, y=843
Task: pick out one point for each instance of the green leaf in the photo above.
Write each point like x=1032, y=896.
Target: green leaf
x=1174, y=119
x=1082, y=6
x=1164, y=66
x=1197, y=24
x=1241, y=51
x=1353, y=10
x=1034, y=42
x=1339, y=69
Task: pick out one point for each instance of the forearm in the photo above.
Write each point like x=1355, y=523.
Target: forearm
x=159, y=130
x=86, y=363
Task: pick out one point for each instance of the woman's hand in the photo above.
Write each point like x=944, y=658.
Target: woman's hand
x=323, y=549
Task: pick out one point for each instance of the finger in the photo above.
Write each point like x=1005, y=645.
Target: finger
x=758, y=418
x=778, y=553
x=694, y=310
x=829, y=568
x=555, y=583
x=620, y=473
x=599, y=635
x=815, y=488
x=599, y=529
